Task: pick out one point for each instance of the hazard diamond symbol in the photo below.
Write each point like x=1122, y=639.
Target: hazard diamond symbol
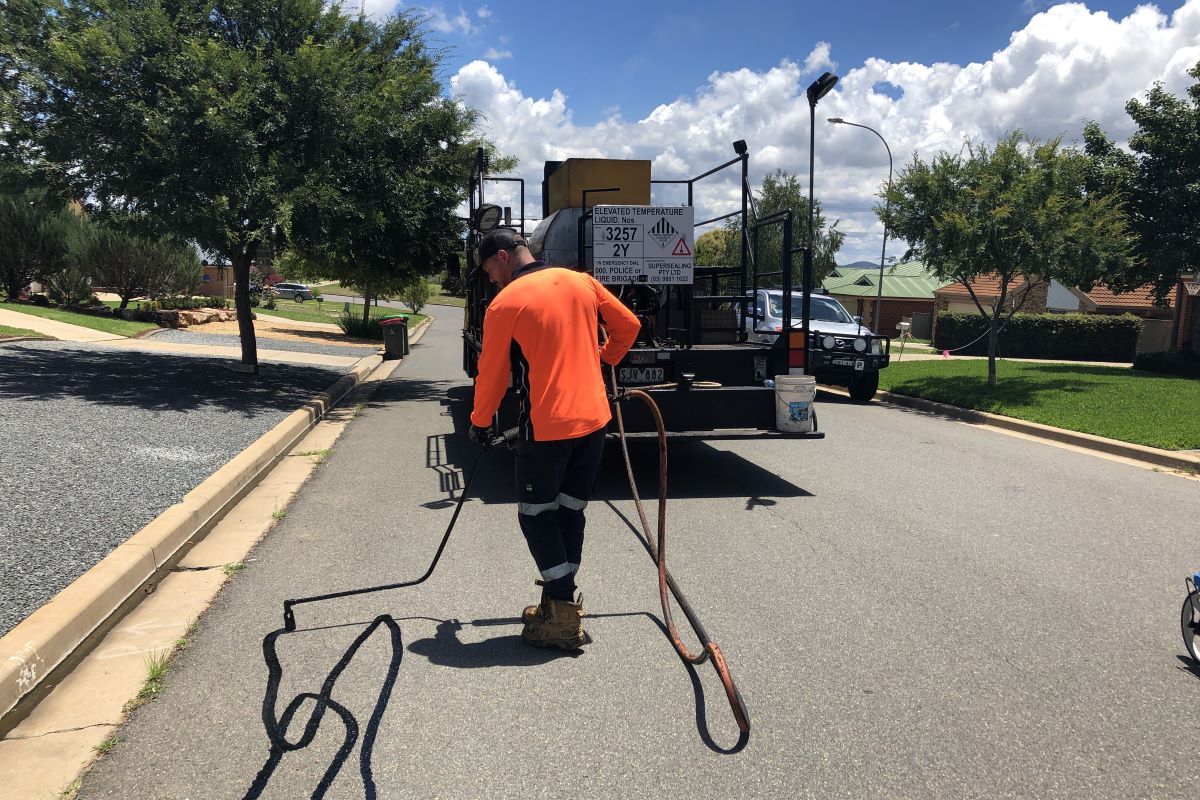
x=681, y=248
x=662, y=232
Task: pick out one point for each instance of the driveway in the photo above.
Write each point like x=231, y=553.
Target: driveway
x=101, y=440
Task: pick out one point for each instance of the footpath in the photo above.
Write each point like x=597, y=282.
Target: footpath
x=64, y=331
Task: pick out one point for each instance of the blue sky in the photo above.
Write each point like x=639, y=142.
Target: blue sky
x=636, y=55
x=676, y=83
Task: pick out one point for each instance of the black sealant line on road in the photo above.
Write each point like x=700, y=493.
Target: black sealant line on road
x=277, y=726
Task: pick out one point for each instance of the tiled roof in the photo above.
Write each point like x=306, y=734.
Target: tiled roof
x=1142, y=297
x=985, y=286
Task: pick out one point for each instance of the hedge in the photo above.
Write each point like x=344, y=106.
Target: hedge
x=1074, y=337
x=1183, y=363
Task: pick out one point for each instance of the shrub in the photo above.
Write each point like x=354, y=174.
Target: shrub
x=353, y=325
x=1183, y=363
x=416, y=294
x=185, y=303
x=1075, y=337
x=68, y=287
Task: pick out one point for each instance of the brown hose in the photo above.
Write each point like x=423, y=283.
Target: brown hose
x=659, y=555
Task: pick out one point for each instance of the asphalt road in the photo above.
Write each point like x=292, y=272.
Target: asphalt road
x=912, y=607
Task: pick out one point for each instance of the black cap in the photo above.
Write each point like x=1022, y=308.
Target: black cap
x=497, y=240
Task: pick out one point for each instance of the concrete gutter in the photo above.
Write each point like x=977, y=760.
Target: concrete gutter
x=1170, y=459
x=51, y=634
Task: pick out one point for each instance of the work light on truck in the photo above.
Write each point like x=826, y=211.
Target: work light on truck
x=828, y=343
x=860, y=345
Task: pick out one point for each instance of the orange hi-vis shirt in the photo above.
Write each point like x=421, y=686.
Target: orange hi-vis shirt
x=541, y=329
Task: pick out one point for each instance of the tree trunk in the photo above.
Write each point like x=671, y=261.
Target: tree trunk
x=241, y=294
x=993, y=347
x=13, y=283
x=366, y=306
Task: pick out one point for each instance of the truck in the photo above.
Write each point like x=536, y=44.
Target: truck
x=695, y=354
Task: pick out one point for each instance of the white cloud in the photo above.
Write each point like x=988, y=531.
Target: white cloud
x=492, y=54
x=819, y=59
x=484, y=12
x=378, y=8
x=443, y=21
x=1065, y=66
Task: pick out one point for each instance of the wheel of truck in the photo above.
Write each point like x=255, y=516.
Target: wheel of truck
x=863, y=389
x=1189, y=622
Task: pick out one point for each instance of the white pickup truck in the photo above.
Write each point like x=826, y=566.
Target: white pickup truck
x=841, y=350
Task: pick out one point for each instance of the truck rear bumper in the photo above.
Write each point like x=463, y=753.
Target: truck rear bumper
x=728, y=412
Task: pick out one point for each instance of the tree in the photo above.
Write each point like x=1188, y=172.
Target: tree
x=1018, y=212
x=402, y=217
x=712, y=247
x=781, y=190
x=1159, y=183
x=258, y=125
x=416, y=294
x=37, y=235
x=23, y=35
x=133, y=265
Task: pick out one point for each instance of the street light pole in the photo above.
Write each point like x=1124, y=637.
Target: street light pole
x=816, y=90
x=886, y=207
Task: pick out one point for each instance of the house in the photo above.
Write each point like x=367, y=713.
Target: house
x=216, y=281
x=1055, y=298
x=907, y=292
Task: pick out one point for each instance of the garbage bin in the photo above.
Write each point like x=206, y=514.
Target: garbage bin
x=395, y=335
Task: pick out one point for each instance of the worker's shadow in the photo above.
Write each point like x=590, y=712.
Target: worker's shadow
x=445, y=648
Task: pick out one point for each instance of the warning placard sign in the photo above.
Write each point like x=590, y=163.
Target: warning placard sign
x=643, y=244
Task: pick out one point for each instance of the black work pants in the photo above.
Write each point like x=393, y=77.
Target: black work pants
x=554, y=482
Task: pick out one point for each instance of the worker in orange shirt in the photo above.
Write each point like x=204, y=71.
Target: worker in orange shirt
x=542, y=329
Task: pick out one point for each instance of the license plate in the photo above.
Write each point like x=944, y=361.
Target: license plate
x=844, y=362
x=641, y=374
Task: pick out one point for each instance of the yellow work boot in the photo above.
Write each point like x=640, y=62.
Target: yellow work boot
x=557, y=623
x=530, y=612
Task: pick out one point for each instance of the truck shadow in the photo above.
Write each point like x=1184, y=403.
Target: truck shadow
x=696, y=469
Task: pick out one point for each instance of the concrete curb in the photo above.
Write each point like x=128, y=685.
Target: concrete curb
x=419, y=331
x=1136, y=452
x=11, y=339
x=51, y=634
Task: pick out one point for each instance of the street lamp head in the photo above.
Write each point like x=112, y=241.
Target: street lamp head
x=836, y=120
x=739, y=147
x=821, y=87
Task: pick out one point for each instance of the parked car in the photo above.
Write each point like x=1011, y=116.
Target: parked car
x=297, y=291
x=842, y=351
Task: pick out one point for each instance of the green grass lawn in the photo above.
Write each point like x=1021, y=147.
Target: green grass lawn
x=6, y=331
x=329, y=312
x=1140, y=407
x=436, y=299
x=120, y=327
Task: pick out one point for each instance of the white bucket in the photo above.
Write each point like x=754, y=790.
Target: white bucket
x=794, y=396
